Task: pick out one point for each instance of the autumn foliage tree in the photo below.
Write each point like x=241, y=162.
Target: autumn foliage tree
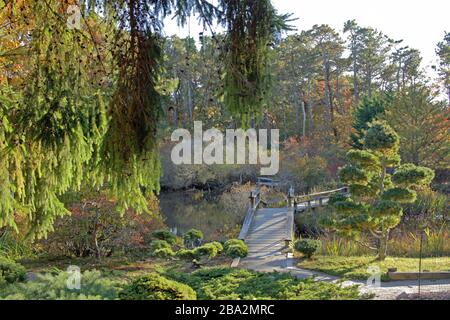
x=379, y=186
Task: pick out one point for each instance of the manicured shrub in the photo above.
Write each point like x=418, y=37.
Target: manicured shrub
x=208, y=249
x=218, y=245
x=236, y=248
x=93, y=286
x=193, y=238
x=11, y=271
x=159, y=244
x=231, y=242
x=164, y=253
x=186, y=254
x=156, y=287
x=165, y=235
x=308, y=247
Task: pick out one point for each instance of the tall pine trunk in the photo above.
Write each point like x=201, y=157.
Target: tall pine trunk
x=310, y=108
x=304, y=119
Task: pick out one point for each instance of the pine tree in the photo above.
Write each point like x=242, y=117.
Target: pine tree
x=379, y=186
x=443, y=51
x=423, y=126
x=367, y=111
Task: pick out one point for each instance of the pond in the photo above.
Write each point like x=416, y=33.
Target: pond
x=219, y=218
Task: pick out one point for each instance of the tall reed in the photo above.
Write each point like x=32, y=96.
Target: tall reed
x=436, y=243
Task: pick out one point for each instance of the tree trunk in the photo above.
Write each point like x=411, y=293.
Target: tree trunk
x=355, y=79
x=382, y=250
x=284, y=132
x=310, y=108
x=339, y=108
x=297, y=113
x=304, y=119
x=189, y=101
x=95, y=236
x=326, y=78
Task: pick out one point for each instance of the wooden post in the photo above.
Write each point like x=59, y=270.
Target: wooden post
x=287, y=243
x=252, y=200
x=291, y=199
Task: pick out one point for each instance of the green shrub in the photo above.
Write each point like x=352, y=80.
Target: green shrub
x=218, y=245
x=237, y=251
x=11, y=271
x=186, y=254
x=164, y=253
x=165, y=235
x=159, y=244
x=208, y=249
x=236, y=284
x=193, y=238
x=156, y=287
x=231, y=242
x=308, y=247
x=236, y=248
x=94, y=286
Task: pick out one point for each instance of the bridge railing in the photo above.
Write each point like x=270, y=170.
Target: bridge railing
x=290, y=234
x=318, y=197
x=255, y=201
x=262, y=181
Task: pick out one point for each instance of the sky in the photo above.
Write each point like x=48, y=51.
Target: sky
x=420, y=23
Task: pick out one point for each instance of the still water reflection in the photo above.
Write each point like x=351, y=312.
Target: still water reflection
x=219, y=218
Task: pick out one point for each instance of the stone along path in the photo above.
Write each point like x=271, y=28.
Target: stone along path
x=266, y=240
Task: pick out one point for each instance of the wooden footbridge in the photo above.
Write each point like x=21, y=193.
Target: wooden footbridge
x=268, y=232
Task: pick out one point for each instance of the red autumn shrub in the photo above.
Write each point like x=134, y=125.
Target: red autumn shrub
x=95, y=229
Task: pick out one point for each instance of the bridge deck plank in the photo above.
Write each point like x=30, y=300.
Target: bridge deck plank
x=268, y=230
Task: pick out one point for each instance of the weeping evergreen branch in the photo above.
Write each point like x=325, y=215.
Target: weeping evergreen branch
x=58, y=119
x=85, y=109
x=130, y=149
x=252, y=29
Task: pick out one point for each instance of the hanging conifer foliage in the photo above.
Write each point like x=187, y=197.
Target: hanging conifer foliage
x=85, y=107
x=252, y=29
x=57, y=117
x=130, y=148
